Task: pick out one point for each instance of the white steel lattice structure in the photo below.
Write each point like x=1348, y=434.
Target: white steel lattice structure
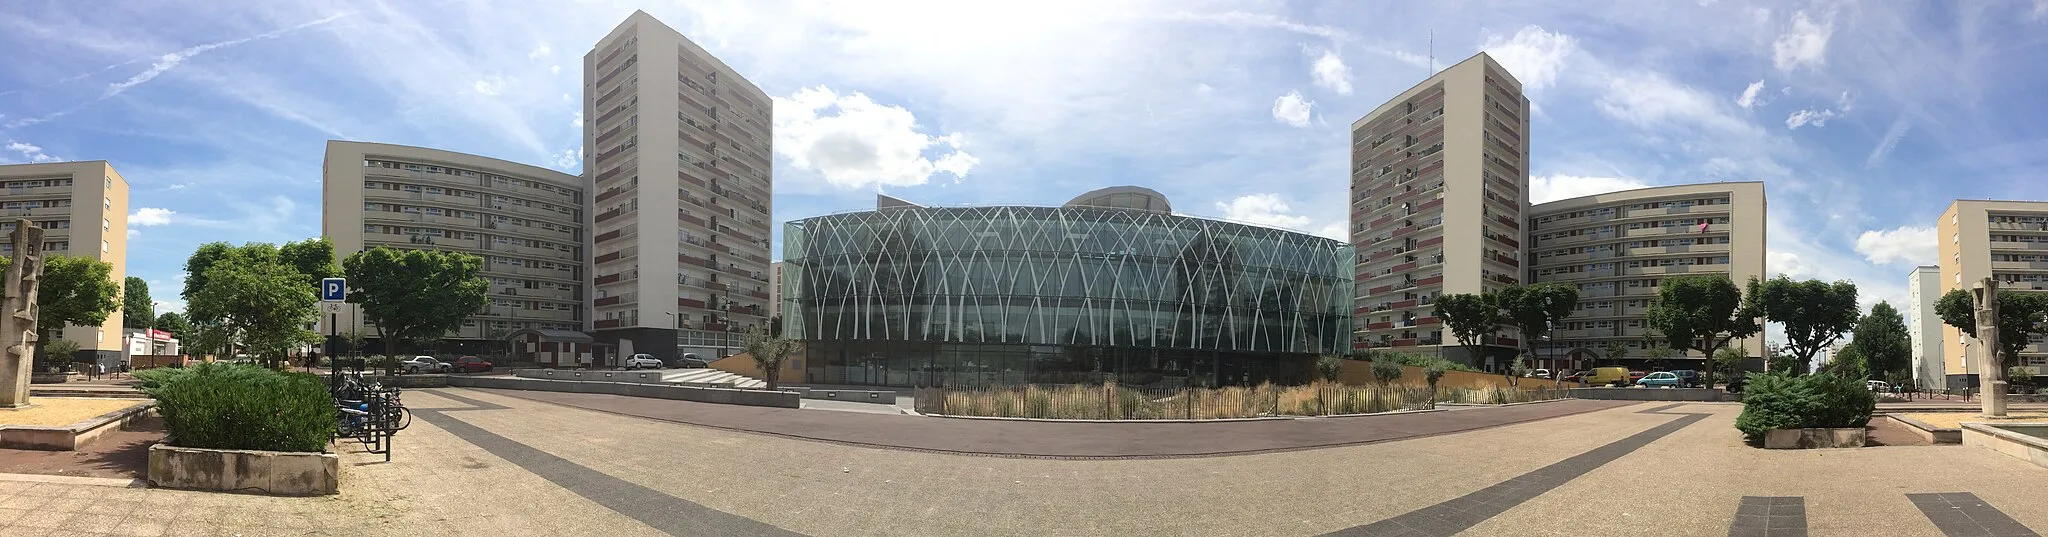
x=1042, y=293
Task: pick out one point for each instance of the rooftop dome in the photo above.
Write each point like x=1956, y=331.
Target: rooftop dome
x=1124, y=197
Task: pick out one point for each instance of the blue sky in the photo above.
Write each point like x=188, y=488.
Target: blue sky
x=1864, y=119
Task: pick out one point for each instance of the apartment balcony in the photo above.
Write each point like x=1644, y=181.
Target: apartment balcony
x=1662, y=211
x=1379, y=326
x=606, y=301
x=1560, y=259
x=40, y=191
x=1432, y=241
x=1380, y=290
x=2023, y=286
x=1432, y=280
x=602, y=324
x=2017, y=226
x=2019, y=265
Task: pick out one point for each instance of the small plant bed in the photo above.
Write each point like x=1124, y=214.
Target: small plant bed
x=61, y=411
x=66, y=424
x=1113, y=402
x=243, y=428
x=1802, y=411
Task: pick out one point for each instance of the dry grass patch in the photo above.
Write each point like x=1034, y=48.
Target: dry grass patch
x=62, y=411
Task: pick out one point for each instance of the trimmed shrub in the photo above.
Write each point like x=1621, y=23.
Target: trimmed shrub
x=227, y=406
x=1780, y=401
x=1386, y=371
x=1329, y=367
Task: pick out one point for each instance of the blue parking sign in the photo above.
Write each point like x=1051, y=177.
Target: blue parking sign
x=333, y=289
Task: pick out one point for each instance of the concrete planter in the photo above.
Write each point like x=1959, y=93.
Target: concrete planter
x=1814, y=438
x=1930, y=433
x=277, y=473
x=48, y=378
x=2023, y=441
x=74, y=436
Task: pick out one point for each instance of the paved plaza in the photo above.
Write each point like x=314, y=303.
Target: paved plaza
x=488, y=462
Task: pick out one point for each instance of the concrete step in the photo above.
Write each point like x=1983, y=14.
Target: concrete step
x=710, y=377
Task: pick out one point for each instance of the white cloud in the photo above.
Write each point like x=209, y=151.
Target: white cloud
x=1804, y=117
x=177, y=186
x=1787, y=264
x=1292, y=109
x=133, y=233
x=569, y=159
x=1330, y=72
x=577, y=123
x=1533, y=56
x=151, y=216
x=1751, y=96
x=1845, y=102
x=1649, y=99
x=172, y=60
x=864, y=143
x=490, y=85
x=1261, y=20
x=554, y=69
x=2040, y=9
x=30, y=151
x=1558, y=186
x=540, y=51
x=1335, y=231
x=1907, y=245
x=1263, y=209
x=1890, y=141
x=1806, y=44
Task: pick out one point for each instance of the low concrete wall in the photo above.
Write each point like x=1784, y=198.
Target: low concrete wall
x=2002, y=438
x=729, y=396
x=1708, y=395
x=267, y=472
x=858, y=396
x=645, y=375
x=74, y=436
x=1814, y=438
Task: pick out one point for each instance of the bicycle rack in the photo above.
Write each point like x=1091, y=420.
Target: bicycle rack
x=368, y=411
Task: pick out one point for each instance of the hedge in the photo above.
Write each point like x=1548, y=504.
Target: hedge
x=228, y=406
x=1780, y=401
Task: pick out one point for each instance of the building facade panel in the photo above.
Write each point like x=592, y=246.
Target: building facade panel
x=1923, y=288
x=526, y=222
x=1439, y=187
x=674, y=131
x=1618, y=247
x=82, y=208
x=2003, y=240
x=917, y=296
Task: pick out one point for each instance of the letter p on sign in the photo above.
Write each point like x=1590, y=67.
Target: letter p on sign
x=333, y=289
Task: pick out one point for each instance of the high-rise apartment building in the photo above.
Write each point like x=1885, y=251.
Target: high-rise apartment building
x=671, y=130
x=526, y=222
x=2003, y=240
x=1617, y=247
x=1439, y=190
x=1923, y=288
x=66, y=199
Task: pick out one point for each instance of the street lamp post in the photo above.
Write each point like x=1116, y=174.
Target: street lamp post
x=726, y=339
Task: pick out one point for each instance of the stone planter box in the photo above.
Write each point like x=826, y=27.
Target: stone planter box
x=1930, y=433
x=48, y=378
x=276, y=473
x=1814, y=438
x=2023, y=441
x=74, y=436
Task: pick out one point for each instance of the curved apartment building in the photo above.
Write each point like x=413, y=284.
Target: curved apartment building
x=526, y=222
x=1617, y=247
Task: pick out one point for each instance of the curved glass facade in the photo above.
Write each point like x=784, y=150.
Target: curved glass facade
x=922, y=296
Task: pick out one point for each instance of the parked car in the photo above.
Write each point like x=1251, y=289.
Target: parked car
x=1608, y=376
x=423, y=364
x=691, y=361
x=471, y=364
x=1634, y=376
x=1660, y=379
x=1575, y=376
x=644, y=361
x=1735, y=384
x=1539, y=373
x=1687, y=378
x=1877, y=386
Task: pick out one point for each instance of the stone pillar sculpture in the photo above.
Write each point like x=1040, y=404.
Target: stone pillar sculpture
x=18, y=314
x=1990, y=371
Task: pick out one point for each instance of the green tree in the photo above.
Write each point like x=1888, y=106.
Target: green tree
x=75, y=291
x=57, y=352
x=2019, y=317
x=1386, y=371
x=415, y=296
x=203, y=258
x=769, y=351
x=1534, y=310
x=1729, y=360
x=1849, y=362
x=313, y=258
x=1700, y=312
x=1814, y=313
x=1615, y=351
x=260, y=304
x=1328, y=367
x=136, y=310
x=1882, y=340
x=1658, y=353
x=1433, y=373
x=1471, y=318
x=173, y=322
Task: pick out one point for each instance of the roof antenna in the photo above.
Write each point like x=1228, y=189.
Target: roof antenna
x=1432, y=51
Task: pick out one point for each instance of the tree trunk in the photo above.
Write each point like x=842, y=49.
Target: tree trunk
x=770, y=371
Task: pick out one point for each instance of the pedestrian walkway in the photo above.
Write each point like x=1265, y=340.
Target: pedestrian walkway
x=1073, y=440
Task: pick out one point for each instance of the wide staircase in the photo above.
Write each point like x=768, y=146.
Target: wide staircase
x=709, y=378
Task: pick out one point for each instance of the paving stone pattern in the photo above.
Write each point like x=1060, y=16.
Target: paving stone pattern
x=1962, y=514
x=1459, y=514
x=1769, y=516
x=654, y=508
